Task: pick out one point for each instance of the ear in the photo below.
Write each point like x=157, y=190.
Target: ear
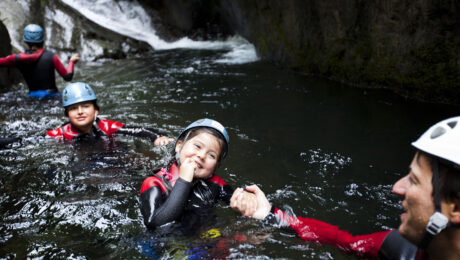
x=178, y=146
x=454, y=211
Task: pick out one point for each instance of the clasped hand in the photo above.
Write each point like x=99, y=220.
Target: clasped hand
x=250, y=202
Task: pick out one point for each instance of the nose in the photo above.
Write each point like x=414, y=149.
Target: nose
x=201, y=154
x=400, y=187
x=80, y=110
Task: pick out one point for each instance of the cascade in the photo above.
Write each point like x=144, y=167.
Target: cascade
x=128, y=18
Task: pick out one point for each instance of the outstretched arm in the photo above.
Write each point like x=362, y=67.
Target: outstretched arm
x=66, y=73
x=154, y=135
x=310, y=229
x=8, y=61
x=27, y=58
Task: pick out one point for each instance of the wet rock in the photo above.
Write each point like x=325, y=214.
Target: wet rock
x=66, y=31
x=8, y=76
x=411, y=47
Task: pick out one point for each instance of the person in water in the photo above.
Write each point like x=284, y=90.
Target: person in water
x=431, y=203
x=37, y=65
x=80, y=104
x=189, y=184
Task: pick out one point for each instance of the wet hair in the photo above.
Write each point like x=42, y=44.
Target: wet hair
x=36, y=44
x=198, y=130
x=449, y=177
x=66, y=109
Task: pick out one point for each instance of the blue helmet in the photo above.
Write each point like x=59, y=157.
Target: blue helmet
x=33, y=33
x=77, y=92
x=206, y=122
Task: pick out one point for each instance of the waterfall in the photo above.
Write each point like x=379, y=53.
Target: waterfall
x=130, y=19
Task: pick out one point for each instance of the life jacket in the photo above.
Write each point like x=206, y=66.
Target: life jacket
x=68, y=132
x=395, y=246
x=165, y=179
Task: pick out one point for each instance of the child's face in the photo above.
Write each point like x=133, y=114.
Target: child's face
x=204, y=149
x=82, y=115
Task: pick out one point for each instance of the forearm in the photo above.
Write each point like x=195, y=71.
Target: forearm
x=314, y=230
x=8, y=61
x=151, y=134
x=66, y=73
x=173, y=206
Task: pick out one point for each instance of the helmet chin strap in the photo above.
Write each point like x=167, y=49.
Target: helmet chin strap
x=438, y=222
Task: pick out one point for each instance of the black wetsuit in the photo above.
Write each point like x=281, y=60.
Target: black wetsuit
x=165, y=197
x=38, y=69
x=103, y=127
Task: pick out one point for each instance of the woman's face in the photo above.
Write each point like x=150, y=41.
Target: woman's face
x=204, y=149
x=82, y=115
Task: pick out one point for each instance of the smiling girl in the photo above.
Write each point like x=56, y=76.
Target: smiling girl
x=189, y=183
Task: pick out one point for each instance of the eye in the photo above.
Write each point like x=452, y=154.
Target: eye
x=197, y=146
x=410, y=180
x=212, y=156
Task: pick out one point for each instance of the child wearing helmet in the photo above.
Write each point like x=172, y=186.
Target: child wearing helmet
x=79, y=101
x=37, y=65
x=189, y=183
x=431, y=204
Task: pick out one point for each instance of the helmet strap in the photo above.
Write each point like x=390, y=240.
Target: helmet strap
x=177, y=155
x=438, y=221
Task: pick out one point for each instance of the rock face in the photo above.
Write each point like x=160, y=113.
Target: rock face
x=66, y=31
x=411, y=47
x=7, y=75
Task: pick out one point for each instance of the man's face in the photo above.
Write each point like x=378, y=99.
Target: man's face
x=416, y=191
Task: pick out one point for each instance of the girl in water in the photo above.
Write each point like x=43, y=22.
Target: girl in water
x=188, y=185
x=79, y=101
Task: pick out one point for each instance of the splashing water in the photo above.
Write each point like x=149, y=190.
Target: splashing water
x=130, y=19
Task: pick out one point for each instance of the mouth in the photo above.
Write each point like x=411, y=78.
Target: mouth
x=199, y=165
x=403, y=211
x=81, y=118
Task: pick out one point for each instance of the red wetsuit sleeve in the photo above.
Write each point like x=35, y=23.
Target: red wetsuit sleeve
x=109, y=127
x=66, y=73
x=55, y=133
x=314, y=230
x=27, y=58
x=8, y=61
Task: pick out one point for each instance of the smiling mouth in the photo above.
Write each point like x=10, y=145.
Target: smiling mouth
x=81, y=118
x=199, y=165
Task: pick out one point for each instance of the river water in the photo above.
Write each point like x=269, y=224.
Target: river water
x=317, y=149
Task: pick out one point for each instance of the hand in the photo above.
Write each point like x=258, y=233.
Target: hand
x=244, y=202
x=187, y=169
x=75, y=58
x=163, y=140
x=263, y=206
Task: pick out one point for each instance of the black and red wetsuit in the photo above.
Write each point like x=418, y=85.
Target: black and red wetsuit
x=383, y=245
x=38, y=69
x=103, y=127
x=166, y=197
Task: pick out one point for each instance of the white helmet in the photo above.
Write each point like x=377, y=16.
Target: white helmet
x=442, y=140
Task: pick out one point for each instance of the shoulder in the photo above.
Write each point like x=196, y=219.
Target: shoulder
x=217, y=180
x=153, y=181
x=109, y=126
x=55, y=133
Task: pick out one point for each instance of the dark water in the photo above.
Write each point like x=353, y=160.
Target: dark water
x=315, y=147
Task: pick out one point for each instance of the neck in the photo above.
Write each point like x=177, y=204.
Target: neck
x=446, y=245
x=84, y=129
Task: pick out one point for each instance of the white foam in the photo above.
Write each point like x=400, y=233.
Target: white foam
x=130, y=19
